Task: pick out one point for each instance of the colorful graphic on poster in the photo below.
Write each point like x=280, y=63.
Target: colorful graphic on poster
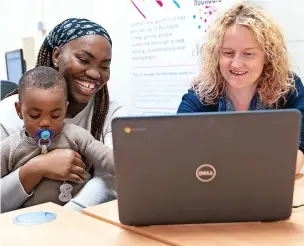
x=165, y=48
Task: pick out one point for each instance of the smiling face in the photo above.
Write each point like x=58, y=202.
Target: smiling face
x=241, y=58
x=85, y=64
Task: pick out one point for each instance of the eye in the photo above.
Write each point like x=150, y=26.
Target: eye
x=228, y=53
x=248, y=54
x=55, y=116
x=83, y=60
x=35, y=117
x=106, y=68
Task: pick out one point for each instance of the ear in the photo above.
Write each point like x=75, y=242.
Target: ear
x=66, y=107
x=18, y=109
x=266, y=60
x=56, y=56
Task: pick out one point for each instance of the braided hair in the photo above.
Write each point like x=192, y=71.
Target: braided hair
x=63, y=33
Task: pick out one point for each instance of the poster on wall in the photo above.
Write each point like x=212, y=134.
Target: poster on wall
x=165, y=41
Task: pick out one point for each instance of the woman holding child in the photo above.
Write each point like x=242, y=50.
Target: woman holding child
x=81, y=51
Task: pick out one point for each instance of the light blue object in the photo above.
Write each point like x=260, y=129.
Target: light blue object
x=176, y=3
x=45, y=135
x=34, y=218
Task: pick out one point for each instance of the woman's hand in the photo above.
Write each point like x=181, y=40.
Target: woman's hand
x=63, y=164
x=59, y=164
x=300, y=161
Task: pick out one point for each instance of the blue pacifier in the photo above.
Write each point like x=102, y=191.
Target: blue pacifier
x=43, y=135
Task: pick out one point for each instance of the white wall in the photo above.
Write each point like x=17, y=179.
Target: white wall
x=19, y=19
x=289, y=15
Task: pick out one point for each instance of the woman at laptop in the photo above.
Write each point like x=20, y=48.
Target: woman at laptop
x=244, y=67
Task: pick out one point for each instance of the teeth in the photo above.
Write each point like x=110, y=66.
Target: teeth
x=86, y=85
x=237, y=73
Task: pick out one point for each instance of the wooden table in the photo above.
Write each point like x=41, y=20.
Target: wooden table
x=290, y=232
x=68, y=229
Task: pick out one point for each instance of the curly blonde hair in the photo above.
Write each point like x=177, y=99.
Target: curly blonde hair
x=275, y=81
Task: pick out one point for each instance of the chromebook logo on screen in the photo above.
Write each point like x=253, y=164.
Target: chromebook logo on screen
x=127, y=129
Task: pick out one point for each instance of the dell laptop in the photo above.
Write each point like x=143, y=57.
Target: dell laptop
x=206, y=168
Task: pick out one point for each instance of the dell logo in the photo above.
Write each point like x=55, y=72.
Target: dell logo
x=205, y=173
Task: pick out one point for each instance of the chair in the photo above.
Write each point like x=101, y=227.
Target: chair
x=7, y=87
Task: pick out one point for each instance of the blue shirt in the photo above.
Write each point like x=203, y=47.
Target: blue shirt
x=295, y=100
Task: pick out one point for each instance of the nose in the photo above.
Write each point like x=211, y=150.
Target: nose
x=237, y=62
x=45, y=123
x=93, y=74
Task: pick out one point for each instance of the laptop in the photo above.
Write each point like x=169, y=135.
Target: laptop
x=206, y=168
